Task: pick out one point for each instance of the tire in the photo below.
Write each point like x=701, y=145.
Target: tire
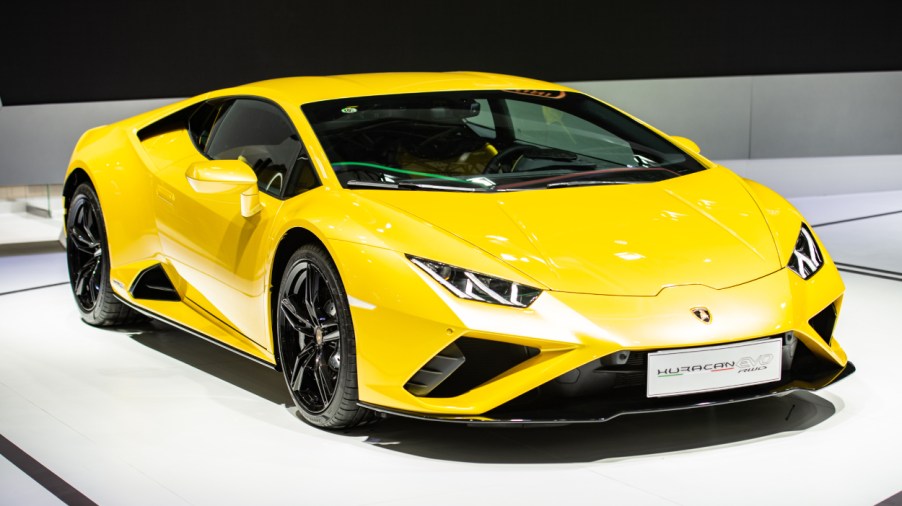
x=317, y=348
x=88, y=256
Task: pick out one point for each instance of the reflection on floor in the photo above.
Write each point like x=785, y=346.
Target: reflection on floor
x=149, y=415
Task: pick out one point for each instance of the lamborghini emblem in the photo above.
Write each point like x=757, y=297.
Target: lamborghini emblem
x=702, y=314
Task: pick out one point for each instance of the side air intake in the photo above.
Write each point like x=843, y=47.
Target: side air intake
x=153, y=284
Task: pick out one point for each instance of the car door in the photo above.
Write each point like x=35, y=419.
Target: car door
x=219, y=253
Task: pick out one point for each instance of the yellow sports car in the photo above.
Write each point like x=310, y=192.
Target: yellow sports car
x=456, y=246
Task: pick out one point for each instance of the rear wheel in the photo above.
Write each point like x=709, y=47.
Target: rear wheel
x=89, y=262
x=317, y=347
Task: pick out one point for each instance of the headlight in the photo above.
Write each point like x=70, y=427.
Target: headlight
x=806, y=258
x=475, y=286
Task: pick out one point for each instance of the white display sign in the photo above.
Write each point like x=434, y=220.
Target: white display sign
x=695, y=370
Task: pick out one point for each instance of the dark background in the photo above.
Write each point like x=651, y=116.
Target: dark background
x=69, y=51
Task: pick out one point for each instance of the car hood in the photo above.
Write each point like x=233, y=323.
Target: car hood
x=635, y=239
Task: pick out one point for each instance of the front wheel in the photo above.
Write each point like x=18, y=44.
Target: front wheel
x=89, y=262
x=317, y=348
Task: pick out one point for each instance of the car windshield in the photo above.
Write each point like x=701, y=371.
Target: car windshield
x=487, y=141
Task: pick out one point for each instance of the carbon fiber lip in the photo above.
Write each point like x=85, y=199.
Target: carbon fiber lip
x=593, y=411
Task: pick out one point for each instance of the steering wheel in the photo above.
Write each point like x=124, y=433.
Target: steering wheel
x=506, y=159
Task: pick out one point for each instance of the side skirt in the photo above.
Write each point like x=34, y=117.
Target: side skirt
x=193, y=332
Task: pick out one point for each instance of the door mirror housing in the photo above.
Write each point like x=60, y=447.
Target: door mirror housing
x=219, y=176
x=686, y=143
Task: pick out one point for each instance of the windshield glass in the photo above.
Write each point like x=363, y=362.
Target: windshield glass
x=489, y=141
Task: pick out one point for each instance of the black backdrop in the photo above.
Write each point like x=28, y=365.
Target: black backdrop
x=87, y=50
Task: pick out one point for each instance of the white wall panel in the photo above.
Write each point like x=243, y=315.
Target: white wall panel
x=818, y=176
x=826, y=115
x=36, y=141
x=713, y=112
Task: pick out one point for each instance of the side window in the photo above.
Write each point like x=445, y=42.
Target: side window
x=260, y=134
x=200, y=123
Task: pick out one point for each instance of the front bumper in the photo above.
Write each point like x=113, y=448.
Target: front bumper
x=406, y=323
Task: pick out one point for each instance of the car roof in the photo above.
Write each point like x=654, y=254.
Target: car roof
x=303, y=90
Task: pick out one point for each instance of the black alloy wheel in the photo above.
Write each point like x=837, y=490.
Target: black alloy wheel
x=316, y=341
x=85, y=254
x=89, y=262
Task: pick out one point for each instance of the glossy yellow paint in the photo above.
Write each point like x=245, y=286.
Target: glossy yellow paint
x=600, y=259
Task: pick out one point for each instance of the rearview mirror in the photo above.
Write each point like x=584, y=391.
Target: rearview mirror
x=218, y=176
x=686, y=143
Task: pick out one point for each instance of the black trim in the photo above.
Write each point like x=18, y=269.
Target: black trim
x=43, y=476
x=185, y=328
x=220, y=320
x=603, y=415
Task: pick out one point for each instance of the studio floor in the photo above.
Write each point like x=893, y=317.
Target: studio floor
x=150, y=415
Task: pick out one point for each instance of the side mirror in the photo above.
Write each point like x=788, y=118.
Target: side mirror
x=686, y=144
x=219, y=176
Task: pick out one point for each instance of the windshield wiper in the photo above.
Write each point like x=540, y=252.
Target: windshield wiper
x=408, y=185
x=354, y=183
x=441, y=187
x=567, y=184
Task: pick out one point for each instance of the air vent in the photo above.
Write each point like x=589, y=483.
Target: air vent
x=435, y=371
x=479, y=361
x=823, y=322
x=153, y=284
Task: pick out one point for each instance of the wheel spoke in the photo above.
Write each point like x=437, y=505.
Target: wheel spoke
x=300, y=365
x=331, y=336
x=294, y=382
x=328, y=378
x=311, y=290
x=81, y=242
x=297, y=322
x=322, y=384
x=89, y=223
x=82, y=278
x=94, y=282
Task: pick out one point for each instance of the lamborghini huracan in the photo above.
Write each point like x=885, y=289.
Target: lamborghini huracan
x=461, y=246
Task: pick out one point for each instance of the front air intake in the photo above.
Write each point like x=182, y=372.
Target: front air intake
x=823, y=322
x=464, y=365
x=435, y=371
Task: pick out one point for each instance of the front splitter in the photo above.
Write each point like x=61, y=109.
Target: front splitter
x=594, y=410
